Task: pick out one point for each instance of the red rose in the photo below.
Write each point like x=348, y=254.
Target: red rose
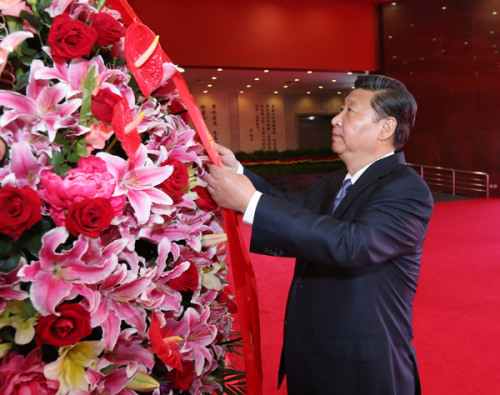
x=181, y=379
x=223, y=298
x=70, y=39
x=173, y=186
x=204, y=201
x=177, y=108
x=71, y=326
x=109, y=30
x=19, y=210
x=89, y=216
x=103, y=104
x=187, y=281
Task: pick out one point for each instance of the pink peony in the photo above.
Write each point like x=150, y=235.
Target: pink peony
x=20, y=375
x=89, y=180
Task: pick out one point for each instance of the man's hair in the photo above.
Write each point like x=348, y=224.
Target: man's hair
x=391, y=99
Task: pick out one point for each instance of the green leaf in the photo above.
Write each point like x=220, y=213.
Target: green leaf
x=81, y=148
x=29, y=310
x=32, y=19
x=22, y=80
x=62, y=170
x=60, y=139
x=8, y=247
x=9, y=264
x=88, y=86
x=44, y=3
x=73, y=157
x=57, y=158
x=33, y=245
x=99, y=4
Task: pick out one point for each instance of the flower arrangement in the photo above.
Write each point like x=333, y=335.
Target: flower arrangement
x=112, y=272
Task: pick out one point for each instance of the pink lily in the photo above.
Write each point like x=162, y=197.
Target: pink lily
x=10, y=286
x=159, y=296
x=59, y=276
x=75, y=74
x=10, y=42
x=197, y=333
x=57, y=7
x=40, y=106
x=24, y=164
x=128, y=349
x=120, y=291
x=137, y=178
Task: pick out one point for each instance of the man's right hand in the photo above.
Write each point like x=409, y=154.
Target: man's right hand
x=229, y=161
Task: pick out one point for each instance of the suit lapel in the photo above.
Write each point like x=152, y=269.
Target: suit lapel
x=377, y=170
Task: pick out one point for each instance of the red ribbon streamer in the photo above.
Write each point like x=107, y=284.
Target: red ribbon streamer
x=243, y=274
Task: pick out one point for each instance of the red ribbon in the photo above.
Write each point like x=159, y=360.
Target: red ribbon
x=243, y=274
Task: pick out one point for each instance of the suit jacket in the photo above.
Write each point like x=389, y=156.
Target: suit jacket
x=348, y=322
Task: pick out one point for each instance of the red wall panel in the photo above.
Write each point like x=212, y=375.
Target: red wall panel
x=447, y=53
x=279, y=34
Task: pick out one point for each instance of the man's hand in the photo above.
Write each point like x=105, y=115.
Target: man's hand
x=229, y=190
x=229, y=161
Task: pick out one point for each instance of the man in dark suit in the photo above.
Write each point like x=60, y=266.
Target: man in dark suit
x=348, y=323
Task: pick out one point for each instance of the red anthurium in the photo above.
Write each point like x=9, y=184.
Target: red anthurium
x=163, y=344
x=125, y=127
x=144, y=57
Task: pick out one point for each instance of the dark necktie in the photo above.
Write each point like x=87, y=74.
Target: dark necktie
x=342, y=192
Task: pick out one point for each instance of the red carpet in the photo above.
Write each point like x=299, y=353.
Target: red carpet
x=457, y=307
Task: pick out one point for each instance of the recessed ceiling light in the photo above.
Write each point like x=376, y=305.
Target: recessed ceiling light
x=242, y=91
x=285, y=86
x=320, y=87
x=339, y=93
x=296, y=80
x=205, y=91
x=214, y=78
x=276, y=92
x=443, y=8
x=209, y=85
x=220, y=69
x=334, y=80
x=256, y=78
x=349, y=72
x=308, y=92
x=266, y=71
x=249, y=86
x=309, y=72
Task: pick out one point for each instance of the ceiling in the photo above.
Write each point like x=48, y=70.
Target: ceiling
x=209, y=80
x=238, y=81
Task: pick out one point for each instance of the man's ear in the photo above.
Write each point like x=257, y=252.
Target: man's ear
x=388, y=127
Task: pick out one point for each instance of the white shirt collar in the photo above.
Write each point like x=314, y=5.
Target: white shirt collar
x=358, y=174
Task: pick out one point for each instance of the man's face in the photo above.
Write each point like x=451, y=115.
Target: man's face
x=356, y=129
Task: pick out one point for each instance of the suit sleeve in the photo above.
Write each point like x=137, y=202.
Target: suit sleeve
x=387, y=220
x=263, y=186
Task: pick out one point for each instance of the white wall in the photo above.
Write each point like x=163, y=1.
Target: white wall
x=250, y=122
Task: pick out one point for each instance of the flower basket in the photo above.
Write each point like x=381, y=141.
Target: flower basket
x=112, y=252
